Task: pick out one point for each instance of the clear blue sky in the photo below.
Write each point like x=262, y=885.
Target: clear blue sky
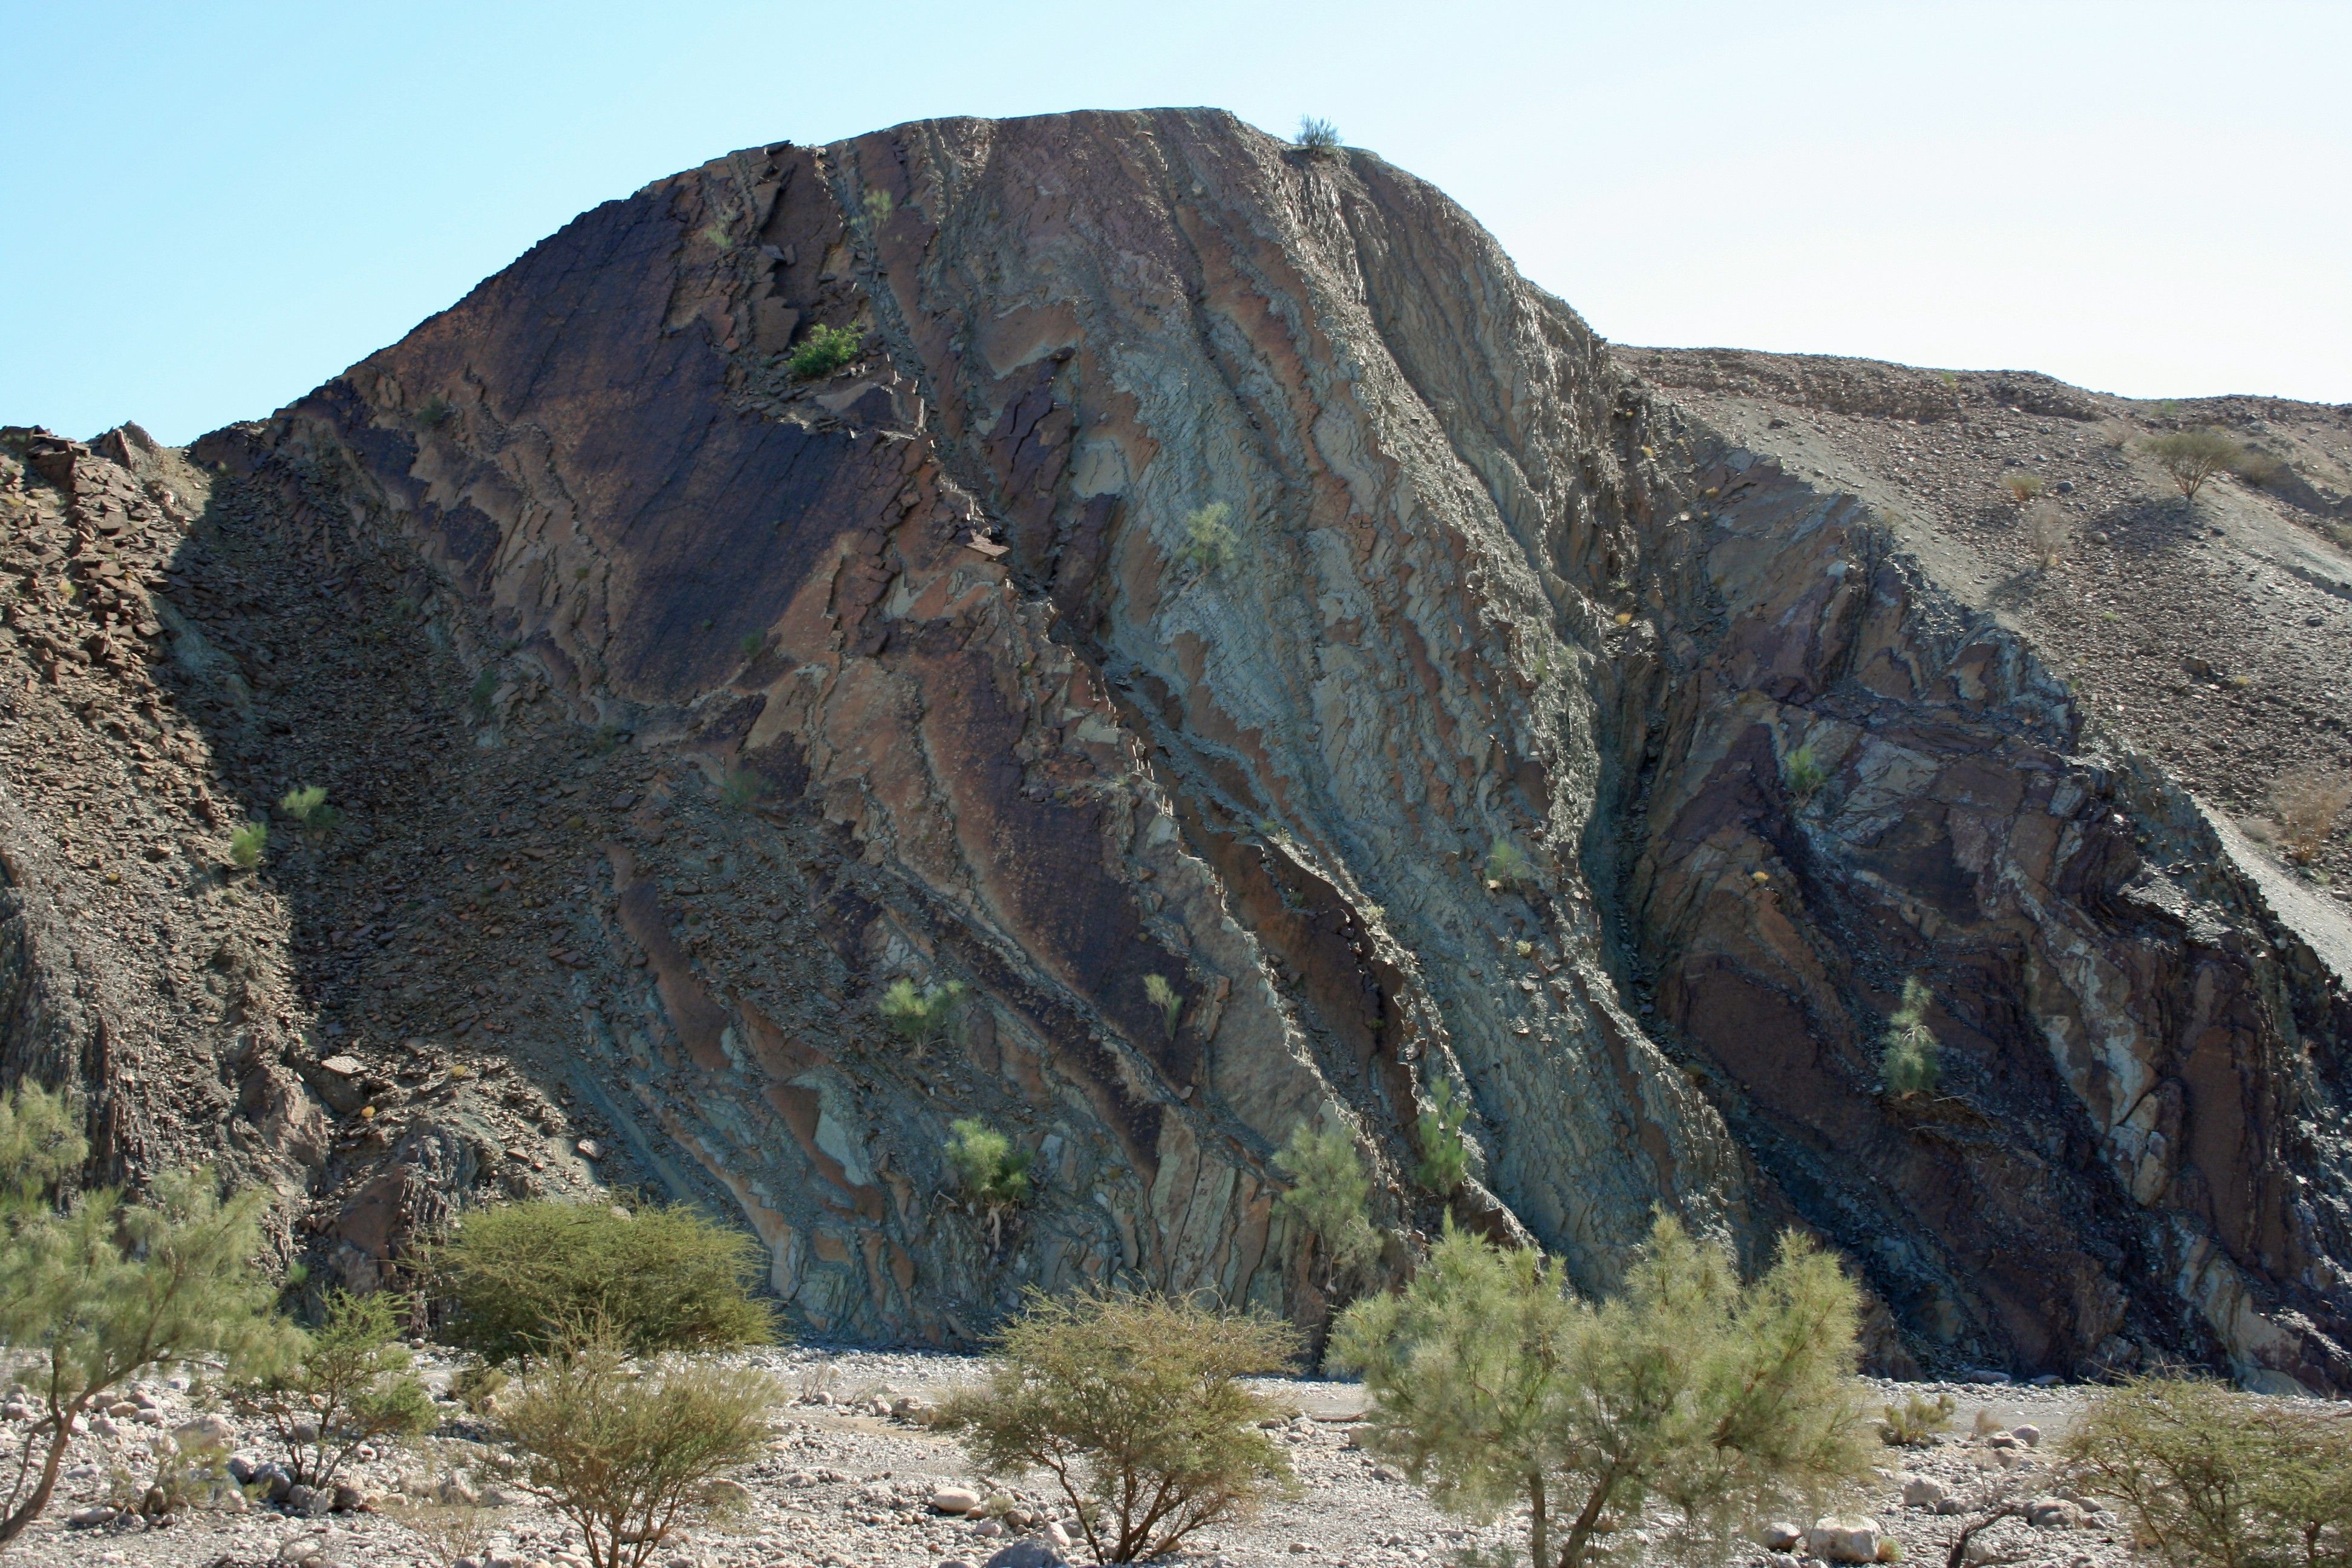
x=209, y=208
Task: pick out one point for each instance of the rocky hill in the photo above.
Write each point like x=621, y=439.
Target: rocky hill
x=1253, y=656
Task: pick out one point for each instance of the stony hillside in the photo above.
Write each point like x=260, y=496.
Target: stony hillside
x=1271, y=658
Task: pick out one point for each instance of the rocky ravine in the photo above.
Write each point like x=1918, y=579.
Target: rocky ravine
x=677, y=707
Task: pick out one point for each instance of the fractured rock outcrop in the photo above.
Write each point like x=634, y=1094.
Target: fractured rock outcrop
x=1220, y=574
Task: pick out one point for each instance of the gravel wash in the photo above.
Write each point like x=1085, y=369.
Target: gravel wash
x=845, y=1484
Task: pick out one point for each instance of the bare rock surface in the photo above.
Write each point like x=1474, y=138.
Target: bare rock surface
x=1216, y=571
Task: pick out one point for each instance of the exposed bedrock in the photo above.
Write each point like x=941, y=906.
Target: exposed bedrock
x=1218, y=556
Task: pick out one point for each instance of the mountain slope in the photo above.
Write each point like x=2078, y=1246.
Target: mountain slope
x=1220, y=572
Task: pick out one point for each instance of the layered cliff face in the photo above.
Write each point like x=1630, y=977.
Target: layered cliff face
x=1220, y=574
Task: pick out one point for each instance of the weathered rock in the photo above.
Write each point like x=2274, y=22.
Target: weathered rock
x=1779, y=1536
x=1923, y=1491
x=1837, y=1538
x=954, y=1499
x=985, y=691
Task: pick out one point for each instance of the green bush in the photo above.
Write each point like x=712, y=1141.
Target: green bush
x=246, y=843
x=1208, y=539
x=921, y=1013
x=482, y=694
x=434, y=412
x=2258, y=467
x=1913, y=1422
x=630, y=1452
x=2207, y=1475
x=1909, y=1059
x=1135, y=1406
x=96, y=1290
x=2193, y=456
x=1801, y=774
x=825, y=349
x=1317, y=138
x=992, y=1173
x=1690, y=1405
x=1330, y=1194
x=1445, y=1156
x=2021, y=487
x=1162, y=996
x=307, y=805
x=521, y=1278
x=346, y=1384
x=1507, y=865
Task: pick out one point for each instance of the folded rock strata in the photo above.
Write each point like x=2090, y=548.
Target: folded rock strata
x=1220, y=571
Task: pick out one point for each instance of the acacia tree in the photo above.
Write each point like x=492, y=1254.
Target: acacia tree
x=96, y=1290
x=1690, y=1394
x=2193, y=456
x=1135, y=1406
x=345, y=1384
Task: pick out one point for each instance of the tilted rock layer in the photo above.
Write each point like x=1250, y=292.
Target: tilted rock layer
x=1262, y=657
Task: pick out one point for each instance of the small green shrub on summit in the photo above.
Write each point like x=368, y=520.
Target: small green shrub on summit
x=2192, y=456
x=522, y=1279
x=1317, y=138
x=825, y=349
x=1908, y=1058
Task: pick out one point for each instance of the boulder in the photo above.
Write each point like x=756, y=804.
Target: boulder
x=1845, y=1537
x=211, y=1431
x=1923, y=1491
x=1029, y=1552
x=2054, y=1513
x=954, y=1499
x=1779, y=1536
x=2029, y=1435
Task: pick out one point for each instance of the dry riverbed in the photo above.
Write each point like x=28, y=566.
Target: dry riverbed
x=847, y=1484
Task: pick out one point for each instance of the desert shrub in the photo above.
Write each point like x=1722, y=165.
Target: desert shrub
x=921, y=1013
x=740, y=789
x=2045, y=535
x=1135, y=1406
x=1913, y=1422
x=1507, y=865
x=2307, y=803
x=2207, y=1475
x=246, y=843
x=2021, y=487
x=879, y=207
x=990, y=1170
x=750, y=644
x=434, y=412
x=345, y=1384
x=478, y=1386
x=520, y=1279
x=1444, y=1155
x=1801, y=774
x=2258, y=467
x=1317, y=138
x=1330, y=1193
x=2192, y=456
x=1164, y=997
x=307, y=805
x=824, y=350
x=452, y=1531
x=95, y=1290
x=1909, y=1059
x=1689, y=1404
x=483, y=694
x=1208, y=538
x=631, y=1452
x=187, y=1473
